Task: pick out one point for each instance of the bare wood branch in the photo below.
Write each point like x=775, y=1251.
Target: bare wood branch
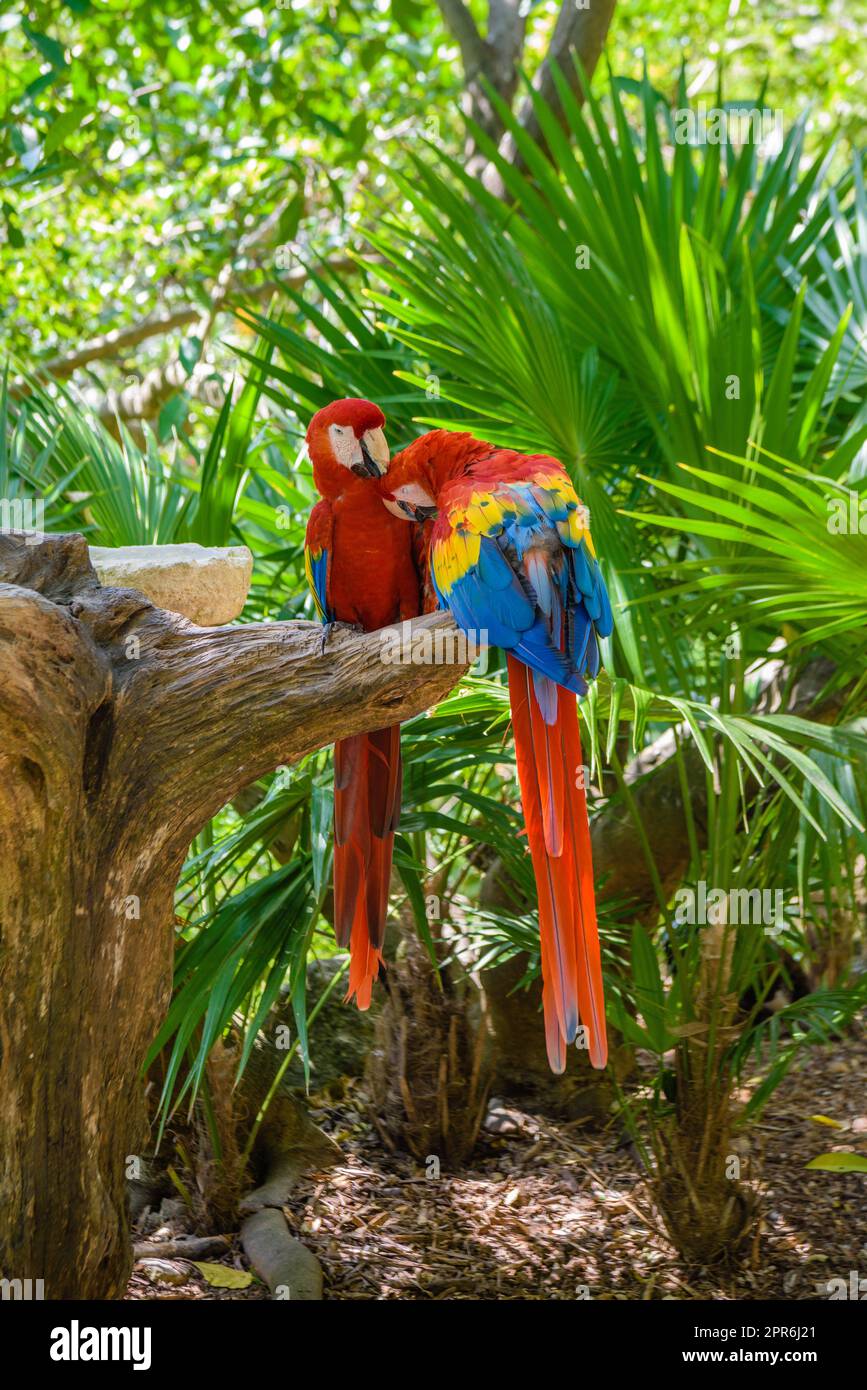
x=123, y=728
x=120, y=341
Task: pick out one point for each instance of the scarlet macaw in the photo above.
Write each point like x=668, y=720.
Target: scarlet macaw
x=360, y=568
x=511, y=557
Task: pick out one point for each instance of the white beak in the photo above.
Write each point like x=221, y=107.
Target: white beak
x=377, y=447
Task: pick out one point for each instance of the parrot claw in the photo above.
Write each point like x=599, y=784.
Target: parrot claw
x=329, y=628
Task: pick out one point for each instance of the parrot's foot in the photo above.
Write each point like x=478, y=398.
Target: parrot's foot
x=329, y=629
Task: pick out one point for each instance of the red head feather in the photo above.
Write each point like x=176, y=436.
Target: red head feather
x=421, y=470
x=359, y=415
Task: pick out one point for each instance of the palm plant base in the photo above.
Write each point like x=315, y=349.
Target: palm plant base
x=709, y=1220
x=428, y=1074
x=709, y=1214
x=220, y=1167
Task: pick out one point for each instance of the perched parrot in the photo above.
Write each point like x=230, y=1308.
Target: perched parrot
x=510, y=556
x=361, y=570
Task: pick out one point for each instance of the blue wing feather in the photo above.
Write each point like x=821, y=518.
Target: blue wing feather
x=316, y=558
x=534, y=589
x=319, y=585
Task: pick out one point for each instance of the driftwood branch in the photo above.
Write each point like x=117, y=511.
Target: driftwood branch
x=123, y=728
x=219, y=707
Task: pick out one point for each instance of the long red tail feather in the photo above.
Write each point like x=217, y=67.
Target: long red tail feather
x=367, y=785
x=558, y=832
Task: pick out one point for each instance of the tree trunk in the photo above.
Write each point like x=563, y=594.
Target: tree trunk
x=123, y=729
x=494, y=59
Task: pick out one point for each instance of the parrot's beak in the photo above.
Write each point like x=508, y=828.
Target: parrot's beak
x=419, y=509
x=372, y=458
x=421, y=514
x=366, y=467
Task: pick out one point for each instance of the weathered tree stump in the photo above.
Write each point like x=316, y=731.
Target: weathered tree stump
x=123, y=728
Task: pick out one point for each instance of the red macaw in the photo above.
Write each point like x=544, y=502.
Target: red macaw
x=360, y=569
x=511, y=557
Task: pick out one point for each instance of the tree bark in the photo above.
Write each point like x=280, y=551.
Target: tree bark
x=579, y=33
x=493, y=59
x=123, y=729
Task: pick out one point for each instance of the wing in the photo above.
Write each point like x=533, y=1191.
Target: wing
x=317, y=549
x=514, y=559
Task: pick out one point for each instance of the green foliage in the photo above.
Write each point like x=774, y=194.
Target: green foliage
x=817, y=581
x=682, y=326
x=839, y=1163
x=485, y=301
x=124, y=494
x=166, y=133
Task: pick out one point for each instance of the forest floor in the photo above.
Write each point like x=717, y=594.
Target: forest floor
x=559, y=1210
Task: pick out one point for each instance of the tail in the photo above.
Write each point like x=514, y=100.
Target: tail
x=367, y=784
x=548, y=749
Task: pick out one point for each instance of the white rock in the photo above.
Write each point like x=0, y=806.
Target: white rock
x=162, y=1272
x=207, y=585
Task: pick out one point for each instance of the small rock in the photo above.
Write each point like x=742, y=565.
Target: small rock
x=501, y=1120
x=571, y=1181
x=173, y=1213
x=613, y=1201
x=162, y=1272
x=500, y=1124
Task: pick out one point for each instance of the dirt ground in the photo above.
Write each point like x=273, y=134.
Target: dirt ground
x=559, y=1210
